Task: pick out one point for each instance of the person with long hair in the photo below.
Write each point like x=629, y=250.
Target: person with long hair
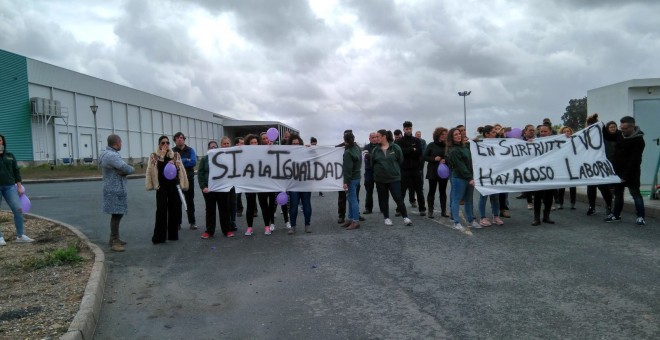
x=489, y=131
x=385, y=161
x=11, y=188
x=352, y=162
x=251, y=198
x=434, y=155
x=462, y=179
x=295, y=197
x=168, y=202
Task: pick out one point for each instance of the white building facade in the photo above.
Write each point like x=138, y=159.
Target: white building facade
x=639, y=98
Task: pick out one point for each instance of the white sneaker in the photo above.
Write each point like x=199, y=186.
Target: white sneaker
x=388, y=221
x=288, y=225
x=407, y=221
x=475, y=224
x=24, y=239
x=272, y=227
x=2, y=241
x=458, y=226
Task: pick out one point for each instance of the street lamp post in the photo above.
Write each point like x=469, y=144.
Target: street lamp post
x=96, y=132
x=464, y=94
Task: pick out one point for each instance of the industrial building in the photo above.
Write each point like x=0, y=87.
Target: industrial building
x=49, y=114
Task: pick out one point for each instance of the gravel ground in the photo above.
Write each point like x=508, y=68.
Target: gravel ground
x=39, y=303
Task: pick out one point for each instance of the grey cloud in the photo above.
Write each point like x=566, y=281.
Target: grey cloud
x=380, y=17
x=159, y=41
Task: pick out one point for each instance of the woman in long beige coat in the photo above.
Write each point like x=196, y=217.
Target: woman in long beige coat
x=168, y=202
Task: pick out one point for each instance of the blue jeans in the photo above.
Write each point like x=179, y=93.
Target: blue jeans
x=351, y=198
x=494, y=204
x=306, y=199
x=461, y=190
x=10, y=194
x=636, y=196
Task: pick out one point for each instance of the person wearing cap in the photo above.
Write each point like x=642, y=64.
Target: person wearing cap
x=341, y=197
x=189, y=160
x=410, y=167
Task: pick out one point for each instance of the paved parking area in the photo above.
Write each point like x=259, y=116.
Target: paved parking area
x=580, y=278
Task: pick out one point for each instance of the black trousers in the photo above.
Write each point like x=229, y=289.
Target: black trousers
x=441, y=184
x=369, y=200
x=221, y=202
x=604, y=191
x=546, y=197
x=572, y=194
x=251, y=199
x=168, y=214
x=411, y=180
x=384, y=190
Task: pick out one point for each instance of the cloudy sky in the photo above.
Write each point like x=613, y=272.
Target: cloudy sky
x=323, y=66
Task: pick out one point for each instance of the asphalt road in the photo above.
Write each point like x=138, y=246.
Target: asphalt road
x=580, y=278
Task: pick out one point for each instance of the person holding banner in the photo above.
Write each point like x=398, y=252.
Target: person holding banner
x=296, y=197
x=434, y=155
x=627, y=164
x=386, y=160
x=543, y=196
x=251, y=198
x=604, y=189
x=168, y=201
x=214, y=200
x=560, y=193
x=462, y=178
x=489, y=131
x=352, y=163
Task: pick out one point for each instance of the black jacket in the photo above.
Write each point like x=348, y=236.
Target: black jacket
x=412, y=152
x=627, y=159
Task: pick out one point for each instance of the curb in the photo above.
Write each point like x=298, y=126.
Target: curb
x=84, y=323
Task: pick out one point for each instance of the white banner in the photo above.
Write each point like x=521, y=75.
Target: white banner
x=514, y=165
x=275, y=168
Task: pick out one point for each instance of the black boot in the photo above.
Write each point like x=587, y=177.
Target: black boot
x=546, y=218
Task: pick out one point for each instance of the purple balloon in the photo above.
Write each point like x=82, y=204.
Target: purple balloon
x=170, y=171
x=25, y=203
x=515, y=133
x=272, y=134
x=282, y=198
x=443, y=171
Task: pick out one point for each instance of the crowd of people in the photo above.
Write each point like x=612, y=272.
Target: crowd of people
x=395, y=164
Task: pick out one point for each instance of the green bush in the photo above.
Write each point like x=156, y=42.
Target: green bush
x=58, y=257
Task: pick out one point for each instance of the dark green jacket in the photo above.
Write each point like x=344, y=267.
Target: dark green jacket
x=352, y=164
x=203, y=172
x=459, y=161
x=387, y=166
x=432, y=150
x=9, y=172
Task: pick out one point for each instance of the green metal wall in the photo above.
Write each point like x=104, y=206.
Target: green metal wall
x=15, y=105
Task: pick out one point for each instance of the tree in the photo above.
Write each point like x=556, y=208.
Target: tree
x=576, y=114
